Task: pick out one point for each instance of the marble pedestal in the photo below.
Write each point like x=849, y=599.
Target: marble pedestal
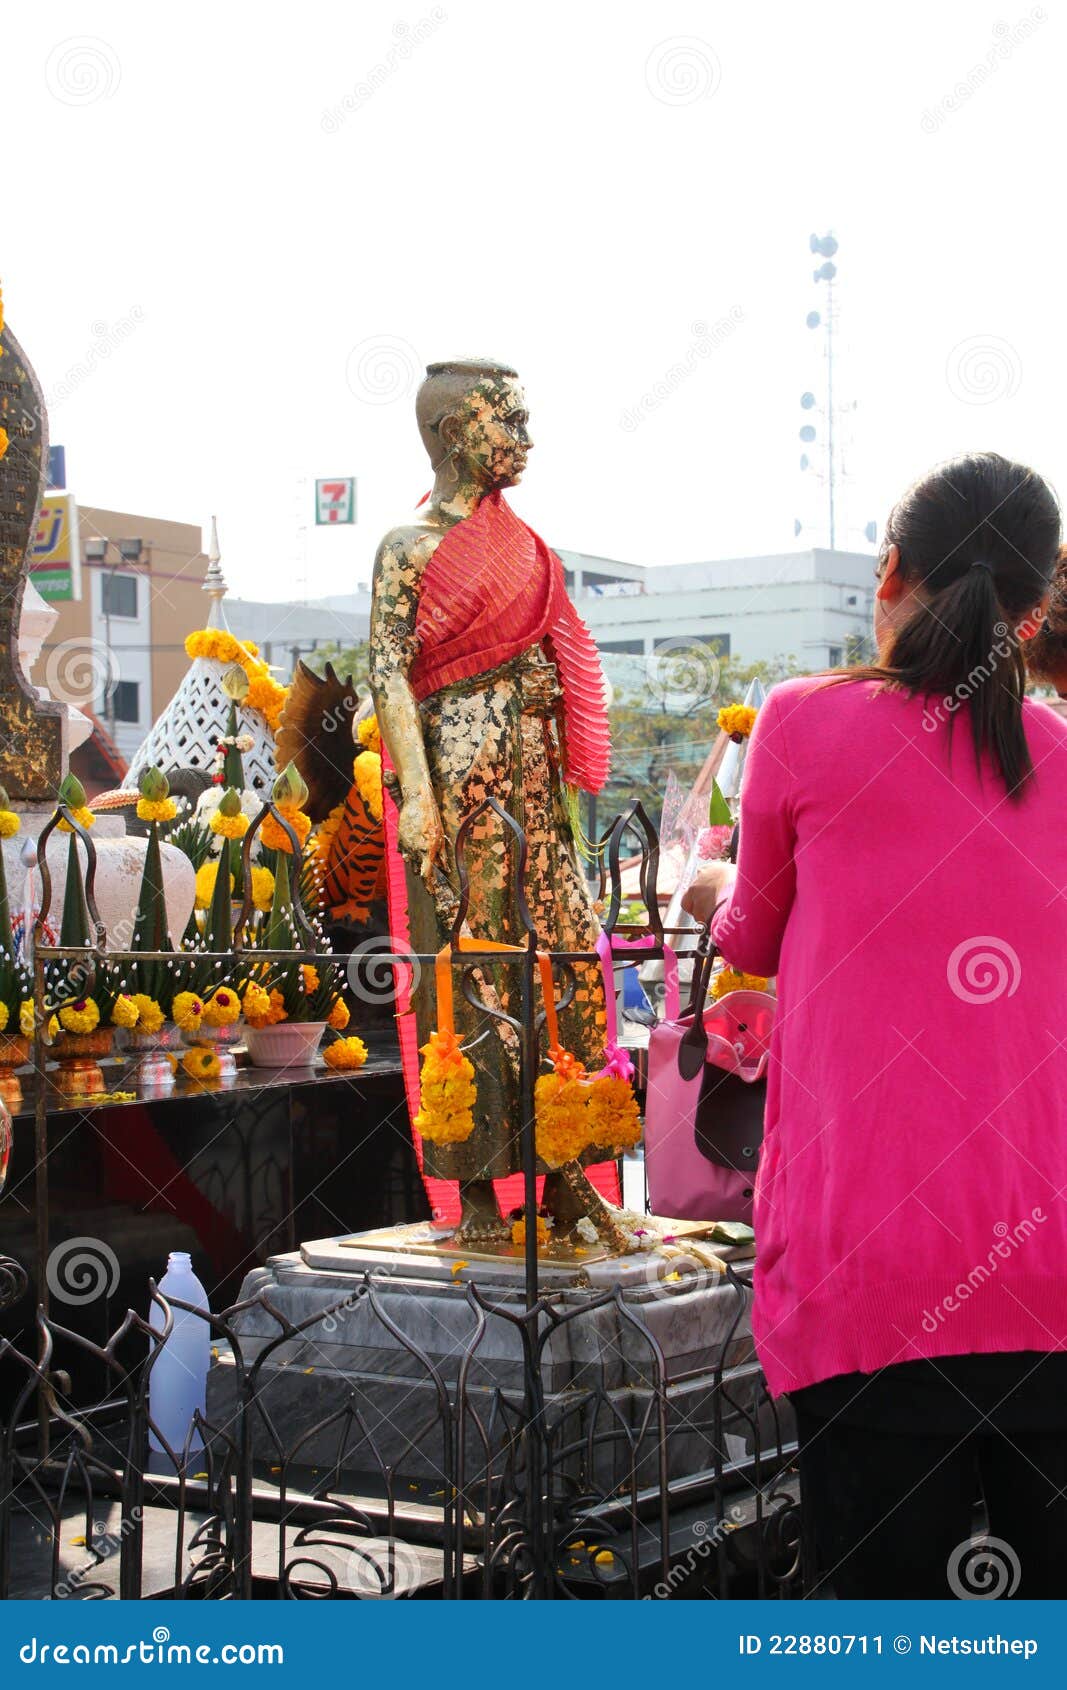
x=420, y=1381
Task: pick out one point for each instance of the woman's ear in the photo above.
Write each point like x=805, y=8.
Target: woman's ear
x=1031, y=625
x=891, y=582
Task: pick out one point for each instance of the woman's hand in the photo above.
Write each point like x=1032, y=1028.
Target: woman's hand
x=708, y=890
x=419, y=832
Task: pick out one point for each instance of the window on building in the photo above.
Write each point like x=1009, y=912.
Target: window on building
x=635, y=647
x=118, y=595
x=717, y=643
x=836, y=656
x=123, y=703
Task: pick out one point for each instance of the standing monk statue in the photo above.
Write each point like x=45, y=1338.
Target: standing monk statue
x=486, y=683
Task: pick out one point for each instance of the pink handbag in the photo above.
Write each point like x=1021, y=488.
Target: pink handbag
x=705, y=1098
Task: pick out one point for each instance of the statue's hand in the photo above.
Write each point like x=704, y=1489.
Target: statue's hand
x=419, y=832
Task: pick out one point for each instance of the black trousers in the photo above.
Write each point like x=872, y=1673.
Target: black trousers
x=889, y=1498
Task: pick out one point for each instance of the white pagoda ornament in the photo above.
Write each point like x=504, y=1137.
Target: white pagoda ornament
x=187, y=734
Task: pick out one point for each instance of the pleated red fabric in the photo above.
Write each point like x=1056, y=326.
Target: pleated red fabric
x=493, y=589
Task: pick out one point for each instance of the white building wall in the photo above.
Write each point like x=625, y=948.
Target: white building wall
x=122, y=654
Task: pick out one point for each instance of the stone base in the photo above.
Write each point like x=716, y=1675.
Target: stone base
x=369, y=1388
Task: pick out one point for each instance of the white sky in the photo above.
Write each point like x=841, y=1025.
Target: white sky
x=533, y=182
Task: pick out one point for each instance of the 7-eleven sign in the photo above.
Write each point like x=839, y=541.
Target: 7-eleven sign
x=335, y=500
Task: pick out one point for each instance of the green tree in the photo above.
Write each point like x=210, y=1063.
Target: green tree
x=347, y=660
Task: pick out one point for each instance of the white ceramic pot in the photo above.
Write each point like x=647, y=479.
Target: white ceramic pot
x=119, y=868
x=289, y=1044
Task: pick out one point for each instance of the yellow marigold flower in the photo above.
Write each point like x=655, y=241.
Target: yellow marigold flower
x=186, y=1011
x=82, y=814
x=274, y=836
x=222, y=1008
x=732, y=980
x=369, y=735
x=311, y=978
x=737, y=720
x=251, y=647
x=150, y=1017
x=614, y=1118
x=4, y=441
x=201, y=1063
x=256, y=1002
x=156, y=809
x=27, y=1018
x=544, y=1233
x=230, y=827
x=338, y=1017
x=3, y=1015
x=205, y=884
x=345, y=1054
x=262, y=888
x=81, y=1016
x=124, y=1011
x=367, y=774
x=9, y=824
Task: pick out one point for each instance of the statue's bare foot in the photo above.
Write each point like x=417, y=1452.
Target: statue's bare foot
x=480, y=1220
x=569, y=1198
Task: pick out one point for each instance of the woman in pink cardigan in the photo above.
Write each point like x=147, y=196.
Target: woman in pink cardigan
x=903, y=873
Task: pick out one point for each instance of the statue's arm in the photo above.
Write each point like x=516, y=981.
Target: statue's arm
x=398, y=568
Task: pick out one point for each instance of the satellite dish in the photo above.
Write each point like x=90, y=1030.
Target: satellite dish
x=813, y=319
x=807, y=434
x=804, y=460
x=807, y=400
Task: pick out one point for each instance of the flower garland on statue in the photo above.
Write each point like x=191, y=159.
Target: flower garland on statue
x=265, y=694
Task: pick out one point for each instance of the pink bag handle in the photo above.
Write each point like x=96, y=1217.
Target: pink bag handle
x=606, y=948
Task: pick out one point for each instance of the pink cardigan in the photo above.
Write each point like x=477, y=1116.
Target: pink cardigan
x=910, y=1197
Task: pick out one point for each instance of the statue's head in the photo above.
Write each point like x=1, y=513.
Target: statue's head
x=472, y=414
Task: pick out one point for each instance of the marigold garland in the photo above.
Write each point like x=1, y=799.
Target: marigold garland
x=369, y=735
x=265, y=694
x=156, y=809
x=733, y=980
x=82, y=814
x=124, y=1012
x=345, y=1054
x=367, y=774
x=274, y=836
x=222, y=1008
x=82, y=1016
x=737, y=720
x=230, y=827
x=447, y=1091
x=262, y=889
x=187, y=1010
x=338, y=1017
x=150, y=1016
x=201, y=1063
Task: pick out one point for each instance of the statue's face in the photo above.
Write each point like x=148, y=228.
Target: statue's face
x=494, y=431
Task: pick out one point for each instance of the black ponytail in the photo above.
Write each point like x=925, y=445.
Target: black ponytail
x=978, y=537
